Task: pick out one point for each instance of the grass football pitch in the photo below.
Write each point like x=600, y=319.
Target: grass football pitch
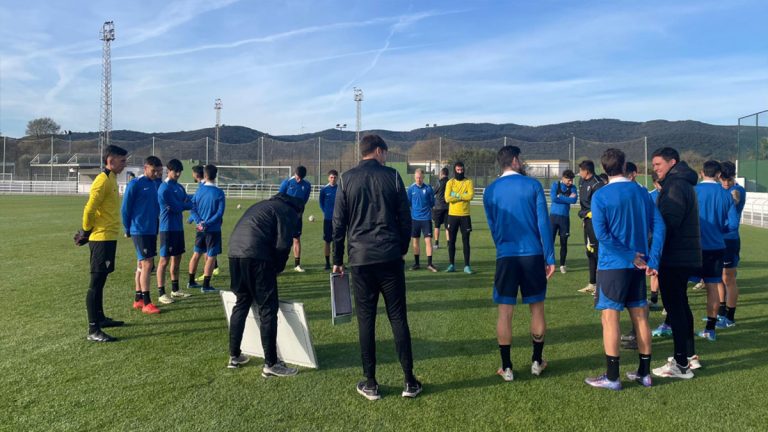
x=168, y=371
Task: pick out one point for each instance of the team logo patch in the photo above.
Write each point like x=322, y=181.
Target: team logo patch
x=145, y=250
x=107, y=263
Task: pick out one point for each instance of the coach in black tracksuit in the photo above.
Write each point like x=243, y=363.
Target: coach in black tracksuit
x=258, y=250
x=679, y=207
x=372, y=211
x=589, y=184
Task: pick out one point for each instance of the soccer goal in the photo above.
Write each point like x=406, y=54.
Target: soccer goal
x=252, y=174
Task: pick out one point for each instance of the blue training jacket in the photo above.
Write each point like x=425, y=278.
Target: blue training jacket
x=208, y=207
x=173, y=200
x=422, y=199
x=327, y=200
x=516, y=211
x=299, y=189
x=623, y=215
x=654, y=195
x=140, y=210
x=717, y=214
x=561, y=203
x=739, y=196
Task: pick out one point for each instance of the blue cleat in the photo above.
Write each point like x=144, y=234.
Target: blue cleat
x=603, y=382
x=467, y=269
x=643, y=381
x=708, y=335
x=663, y=330
x=194, y=285
x=450, y=269
x=725, y=323
x=208, y=290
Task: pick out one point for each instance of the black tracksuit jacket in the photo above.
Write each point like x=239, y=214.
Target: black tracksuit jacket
x=679, y=207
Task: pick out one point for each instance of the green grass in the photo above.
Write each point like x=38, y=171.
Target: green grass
x=167, y=372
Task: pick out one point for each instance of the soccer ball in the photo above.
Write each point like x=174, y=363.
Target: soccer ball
x=311, y=218
x=238, y=206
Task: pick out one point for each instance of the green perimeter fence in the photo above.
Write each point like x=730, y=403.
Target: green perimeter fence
x=753, y=151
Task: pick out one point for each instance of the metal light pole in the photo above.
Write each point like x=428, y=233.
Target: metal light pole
x=341, y=127
x=3, y=158
x=439, y=146
x=645, y=143
x=359, y=101
x=51, y=161
x=262, y=158
x=217, y=106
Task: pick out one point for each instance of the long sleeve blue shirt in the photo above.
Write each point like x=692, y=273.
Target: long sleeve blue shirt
x=173, y=200
x=516, y=211
x=562, y=201
x=422, y=199
x=717, y=215
x=140, y=210
x=209, y=207
x=623, y=215
x=327, y=200
x=299, y=189
x=739, y=196
x=654, y=194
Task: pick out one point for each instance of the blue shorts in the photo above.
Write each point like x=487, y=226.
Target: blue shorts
x=732, y=250
x=327, y=230
x=421, y=227
x=620, y=288
x=711, y=270
x=523, y=273
x=208, y=243
x=146, y=246
x=171, y=243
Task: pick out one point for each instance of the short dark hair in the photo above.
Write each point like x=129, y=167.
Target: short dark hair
x=369, y=144
x=727, y=170
x=153, y=161
x=457, y=164
x=210, y=171
x=569, y=174
x=667, y=153
x=612, y=161
x=333, y=172
x=175, y=165
x=711, y=168
x=131, y=174
x=588, y=166
x=444, y=171
x=301, y=171
x=604, y=177
x=198, y=169
x=113, y=150
x=506, y=155
x=631, y=168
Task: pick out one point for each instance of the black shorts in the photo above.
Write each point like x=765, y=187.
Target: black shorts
x=103, y=256
x=421, y=227
x=620, y=288
x=146, y=246
x=711, y=270
x=456, y=223
x=523, y=273
x=171, y=243
x=732, y=251
x=560, y=224
x=327, y=230
x=439, y=216
x=208, y=243
x=299, y=226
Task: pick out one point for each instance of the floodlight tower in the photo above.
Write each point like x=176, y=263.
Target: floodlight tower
x=105, y=123
x=217, y=106
x=359, y=101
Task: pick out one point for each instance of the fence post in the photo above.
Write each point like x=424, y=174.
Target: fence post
x=573, y=152
x=51, y=161
x=206, y=150
x=505, y=141
x=645, y=142
x=262, y=158
x=318, y=160
x=153, y=146
x=3, y=158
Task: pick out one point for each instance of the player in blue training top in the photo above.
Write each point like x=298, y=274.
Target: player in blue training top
x=516, y=211
x=208, y=215
x=327, y=202
x=563, y=195
x=654, y=196
x=728, y=290
x=173, y=200
x=422, y=199
x=298, y=187
x=717, y=216
x=623, y=217
x=140, y=213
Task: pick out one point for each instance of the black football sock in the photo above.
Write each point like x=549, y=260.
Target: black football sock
x=506, y=361
x=174, y=285
x=654, y=297
x=137, y=296
x=206, y=282
x=160, y=291
x=297, y=261
x=216, y=264
x=328, y=260
x=730, y=313
x=191, y=278
x=416, y=259
x=711, y=323
x=612, y=367
x=721, y=311
x=437, y=242
x=429, y=260
x=146, y=298
x=644, y=367
x=538, y=348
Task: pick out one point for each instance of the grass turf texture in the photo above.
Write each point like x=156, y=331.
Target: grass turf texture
x=168, y=371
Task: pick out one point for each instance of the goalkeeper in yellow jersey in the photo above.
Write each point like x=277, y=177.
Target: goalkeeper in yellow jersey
x=458, y=193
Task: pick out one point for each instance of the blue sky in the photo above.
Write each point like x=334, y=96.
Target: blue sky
x=288, y=66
